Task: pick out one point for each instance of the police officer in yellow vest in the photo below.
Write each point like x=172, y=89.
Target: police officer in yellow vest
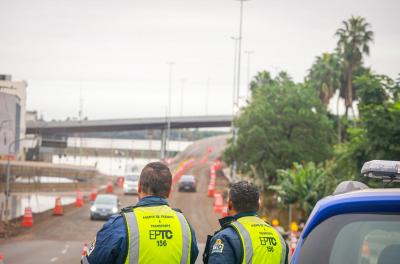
x=150, y=231
x=245, y=238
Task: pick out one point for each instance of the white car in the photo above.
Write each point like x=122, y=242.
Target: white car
x=131, y=183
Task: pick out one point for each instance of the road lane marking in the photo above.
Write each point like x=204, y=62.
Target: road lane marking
x=64, y=251
x=53, y=259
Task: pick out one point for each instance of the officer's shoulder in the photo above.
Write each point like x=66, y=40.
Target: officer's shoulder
x=228, y=233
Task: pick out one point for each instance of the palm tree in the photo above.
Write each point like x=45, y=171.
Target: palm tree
x=324, y=76
x=353, y=43
x=262, y=78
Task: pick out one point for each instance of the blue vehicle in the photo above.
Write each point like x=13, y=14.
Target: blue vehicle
x=355, y=225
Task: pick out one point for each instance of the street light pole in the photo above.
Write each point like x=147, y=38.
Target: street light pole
x=248, y=53
x=171, y=64
x=239, y=52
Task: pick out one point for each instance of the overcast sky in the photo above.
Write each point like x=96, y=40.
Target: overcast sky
x=117, y=51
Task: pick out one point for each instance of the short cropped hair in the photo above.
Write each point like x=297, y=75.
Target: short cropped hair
x=244, y=197
x=156, y=179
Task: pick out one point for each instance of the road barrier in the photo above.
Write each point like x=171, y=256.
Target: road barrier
x=85, y=249
x=109, y=188
x=93, y=195
x=58, y=209
x=218, y=203
x=79, y=199
x=121, y=181
x=27, y=220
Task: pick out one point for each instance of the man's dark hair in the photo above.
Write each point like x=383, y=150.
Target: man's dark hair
x=244, y=196
x=156, y=179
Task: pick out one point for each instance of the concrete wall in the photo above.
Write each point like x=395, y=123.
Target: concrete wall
x=10, y=113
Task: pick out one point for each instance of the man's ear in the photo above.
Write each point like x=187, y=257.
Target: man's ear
x=230, y=205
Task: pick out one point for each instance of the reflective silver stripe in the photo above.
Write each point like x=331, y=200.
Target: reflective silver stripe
x=84, y=260
x=247, y=241
x=133, y=250
x=283, y=244
x=185, y=238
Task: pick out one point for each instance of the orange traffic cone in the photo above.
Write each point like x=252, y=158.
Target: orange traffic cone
x=211, y=190
x=58, y=209
x=93, y=195
x=85, y=249
x=79, y=199
x=1, y=258
x=109, y=188
x=27, y=220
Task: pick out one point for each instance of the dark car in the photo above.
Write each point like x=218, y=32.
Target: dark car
x=356, y=224
x=187, y=183
x=104, y=207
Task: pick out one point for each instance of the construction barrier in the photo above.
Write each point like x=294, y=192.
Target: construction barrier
x=109, y=188
x=79, y=199
x=121, y=181
x=211, y=190
x=58, y=209
x=27, y=220
x=85, y=249
x=93, y=195
x=218, y=203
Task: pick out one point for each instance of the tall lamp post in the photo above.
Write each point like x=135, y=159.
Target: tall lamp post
x=248, y=53
x=171, y=64
x=236, y=106
x=239, y=55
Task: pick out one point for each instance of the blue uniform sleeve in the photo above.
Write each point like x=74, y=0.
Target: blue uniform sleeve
x=194, y=250
x=226, y=247
x=110, y=244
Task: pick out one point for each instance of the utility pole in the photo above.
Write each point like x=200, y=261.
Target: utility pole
x=236, y=101
x=171, y=64
x=248, y=53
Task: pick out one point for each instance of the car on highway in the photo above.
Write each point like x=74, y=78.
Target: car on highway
x=187, y=183
x=356, y=224
x=131, y=183
x=105, y=206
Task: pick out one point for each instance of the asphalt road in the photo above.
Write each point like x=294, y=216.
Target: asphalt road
x=61, y=239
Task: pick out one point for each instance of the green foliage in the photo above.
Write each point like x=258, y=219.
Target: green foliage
x=354, y=39
x=304, y=185
x=377, y=132
x=324, y=76
x=284, y=123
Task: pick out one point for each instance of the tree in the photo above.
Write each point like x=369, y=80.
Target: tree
x=353, y=43
x=304, y=185
x=284, y=123
x=377, y=134
x=262, y=78
x=324, y=76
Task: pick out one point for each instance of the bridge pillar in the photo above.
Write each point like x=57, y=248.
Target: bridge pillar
x=163, y=143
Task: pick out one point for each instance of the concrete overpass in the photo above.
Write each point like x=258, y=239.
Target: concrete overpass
x=111, y=125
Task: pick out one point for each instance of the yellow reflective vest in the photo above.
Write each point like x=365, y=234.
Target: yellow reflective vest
x=157, y=234
x=261, y=243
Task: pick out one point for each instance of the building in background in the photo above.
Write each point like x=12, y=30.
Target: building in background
x=12, y=115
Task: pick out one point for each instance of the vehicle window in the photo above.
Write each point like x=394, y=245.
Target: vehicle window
x=353, y=238
x=105, y=200
x=133, y=177
x=187, y=178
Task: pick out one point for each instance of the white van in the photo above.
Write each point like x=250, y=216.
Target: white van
x=131, y=183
